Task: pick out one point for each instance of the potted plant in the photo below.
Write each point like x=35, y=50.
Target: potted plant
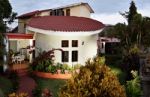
x=59, y=68
x=77, y=68
x=65, y=68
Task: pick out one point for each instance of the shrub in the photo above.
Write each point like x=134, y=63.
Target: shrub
x=94, y=80
x=44, y=60
x=46, y=93
x=18, y=95
x=1, y=93
x=1, y=68
x=37, y=91
x=14, y=79
x=133, y=87
x=77, y=66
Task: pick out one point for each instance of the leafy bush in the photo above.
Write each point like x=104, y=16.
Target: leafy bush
x=46, y=93
x=51, y=69
x=133, y=87
x=6, y=85
x=37, y=91
x=94, y=80
x=115, y=60
x=14, y=79
x=77, y=66
x=18, y=95
x=1, y=69
x=41, y=62
x=1, y=93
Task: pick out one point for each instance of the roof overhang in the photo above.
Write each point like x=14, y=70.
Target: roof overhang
x=64, y=33
x=19, y=36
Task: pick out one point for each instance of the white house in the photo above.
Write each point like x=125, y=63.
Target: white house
x=69, y=28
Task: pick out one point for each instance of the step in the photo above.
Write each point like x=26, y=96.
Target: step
x=22, y=72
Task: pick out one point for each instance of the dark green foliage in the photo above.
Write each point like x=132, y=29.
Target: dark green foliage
x=5, y=9
x=132, y=12
x=133, y=87
x=43, y=62
x=94, y=80
x=1, y=69
x=119, y=73
x=6, y=86
x=114, y=60
x=7, y=14
x=37, y=91
x=14, y=79
x=1, y=93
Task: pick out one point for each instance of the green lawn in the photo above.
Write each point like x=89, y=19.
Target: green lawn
x=5, y=86
x=120, y=74
x=55, y=84
x=52, y=84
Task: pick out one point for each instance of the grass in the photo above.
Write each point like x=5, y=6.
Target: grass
x=5, y=86
x=52, y=84
x=120, y=74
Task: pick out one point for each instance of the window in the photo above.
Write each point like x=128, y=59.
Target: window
x=64, y=43
x=67, y=12
x=51, y=13
x=74, y=43
x=65, y=56
x=58, y=12
x=74, y=56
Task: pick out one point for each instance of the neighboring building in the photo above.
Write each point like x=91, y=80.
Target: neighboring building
x=68, y=28
x=106, y=41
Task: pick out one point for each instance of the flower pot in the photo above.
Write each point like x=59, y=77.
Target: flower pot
x=58, y=71
x=66, y=71
x=77, y=71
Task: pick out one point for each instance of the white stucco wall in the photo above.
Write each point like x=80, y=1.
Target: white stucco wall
x=80, y=11
x=85, y=51
x=45, y=13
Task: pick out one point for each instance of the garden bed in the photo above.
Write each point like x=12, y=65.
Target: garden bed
x=51, y=76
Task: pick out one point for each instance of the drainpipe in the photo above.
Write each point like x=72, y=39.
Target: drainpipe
x=5, y=58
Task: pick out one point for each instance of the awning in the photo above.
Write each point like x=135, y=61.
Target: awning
x=19, y=36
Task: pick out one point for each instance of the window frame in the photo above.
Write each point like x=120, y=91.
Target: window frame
x=65, y=58
x=67, y=12
x=75, y=56
x=63, y=44
x=74, y=43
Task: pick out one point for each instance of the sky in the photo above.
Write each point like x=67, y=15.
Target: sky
x=106, y=11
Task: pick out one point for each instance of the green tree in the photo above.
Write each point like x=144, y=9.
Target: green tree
x=6, y=16
x=95, y=79
x=131, y=13
x=134, y=37
x=136, y=31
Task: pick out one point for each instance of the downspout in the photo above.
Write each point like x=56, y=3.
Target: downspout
x=5, y=56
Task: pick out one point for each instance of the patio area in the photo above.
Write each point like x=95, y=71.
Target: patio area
x=18, y=66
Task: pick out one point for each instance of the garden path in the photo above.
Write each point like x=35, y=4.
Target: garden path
x=26, y=83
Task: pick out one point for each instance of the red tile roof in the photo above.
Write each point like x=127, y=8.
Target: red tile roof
x=65, y=23
x=29, y=14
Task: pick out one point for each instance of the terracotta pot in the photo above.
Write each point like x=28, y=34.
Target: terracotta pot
x=58, y=71
x=77, y=71
x=66, y=71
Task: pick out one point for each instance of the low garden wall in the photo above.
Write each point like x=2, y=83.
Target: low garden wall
x=52, y=76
